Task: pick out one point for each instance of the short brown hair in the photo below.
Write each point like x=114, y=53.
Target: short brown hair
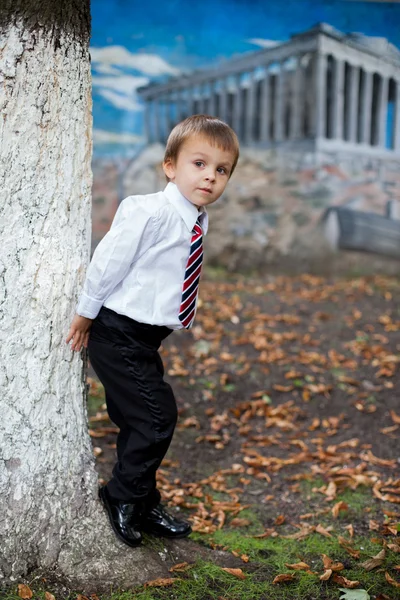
x=216, y=131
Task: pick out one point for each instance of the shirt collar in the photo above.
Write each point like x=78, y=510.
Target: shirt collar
x=186, y=209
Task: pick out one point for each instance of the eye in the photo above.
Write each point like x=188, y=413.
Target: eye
x=199, y=163
x=222, y=170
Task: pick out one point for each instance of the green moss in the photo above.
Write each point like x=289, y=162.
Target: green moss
x=306, y=486
x=268, y=558
x=358, y=501
x=206, y=581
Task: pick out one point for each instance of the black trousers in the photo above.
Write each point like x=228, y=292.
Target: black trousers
x=124, y=355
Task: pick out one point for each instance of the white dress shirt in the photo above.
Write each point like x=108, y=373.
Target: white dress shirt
x=138, y=267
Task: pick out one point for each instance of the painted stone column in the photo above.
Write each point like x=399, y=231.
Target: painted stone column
x=156, y=120
x=250, y=110
x=353, y=104
x=223, y=104
x=179, y=104
x=168, y=116
x=211, y=106
x=278, y=104
x=338, y=99
x=366, y=108
x=297, y=101
x=238, y=107
x=319, y=120
x=201, y=98
x=190, y=101
x=147, y=129
x=265, y=106
x=162, y=118
x=382, y=110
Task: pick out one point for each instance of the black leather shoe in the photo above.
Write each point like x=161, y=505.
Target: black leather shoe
x=124, y=518
x=158, y=522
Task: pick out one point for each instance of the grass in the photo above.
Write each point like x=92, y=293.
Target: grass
x=207, y=581
x=359, y=501
x=266, y=558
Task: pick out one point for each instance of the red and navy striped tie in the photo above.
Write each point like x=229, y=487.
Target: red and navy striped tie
x=192, y=275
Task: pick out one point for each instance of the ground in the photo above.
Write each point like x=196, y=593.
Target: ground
x=287, y=452
x=287, y=391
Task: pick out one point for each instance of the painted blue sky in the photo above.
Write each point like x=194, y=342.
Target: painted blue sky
x=135, y=42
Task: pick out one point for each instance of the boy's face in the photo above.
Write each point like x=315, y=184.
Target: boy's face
x=201, y=170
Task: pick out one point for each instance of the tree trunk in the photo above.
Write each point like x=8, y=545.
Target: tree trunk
x=50, y=515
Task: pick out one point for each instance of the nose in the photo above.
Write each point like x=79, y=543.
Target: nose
x=210, y=175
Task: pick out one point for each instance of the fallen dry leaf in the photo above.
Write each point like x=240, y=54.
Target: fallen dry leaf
x=329, y=564
x=347, y=583
x=283, y=577
x=373, y=525
x=350, y=529
x=346, y=544
x=267, y=533
x=326, y=575
x=323, y=531
x=49, y=596
x=24, y=591
x=388, y=430
x=392, y=581
x=392, y=513
x=180, y=567
x=395, y=417
x=375, y=460
x=162, y=582
x=101, y=432
x=300, y=535
x=236, y=572
x=375, y=561
x=300, y=566
x=283, y=388
x=339, y=506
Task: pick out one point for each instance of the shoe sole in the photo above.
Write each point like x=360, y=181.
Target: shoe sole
x=106, y=505
x=170, y=537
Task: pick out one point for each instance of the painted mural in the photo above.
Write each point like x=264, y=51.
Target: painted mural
x=311, y=88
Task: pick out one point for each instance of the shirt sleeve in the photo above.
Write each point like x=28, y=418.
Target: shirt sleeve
x=132, y=232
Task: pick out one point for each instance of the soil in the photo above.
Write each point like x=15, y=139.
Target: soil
x=281, y=380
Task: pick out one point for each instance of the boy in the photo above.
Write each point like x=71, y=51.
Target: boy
x=141, y=284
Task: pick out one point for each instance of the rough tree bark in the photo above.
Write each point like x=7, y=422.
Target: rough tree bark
x=50, y=515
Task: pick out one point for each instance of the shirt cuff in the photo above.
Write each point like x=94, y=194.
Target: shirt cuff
x=88, y=307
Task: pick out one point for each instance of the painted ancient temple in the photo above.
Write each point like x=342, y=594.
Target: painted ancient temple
x=322, y=90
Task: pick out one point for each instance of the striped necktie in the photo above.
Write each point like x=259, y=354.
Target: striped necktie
x=192, y=275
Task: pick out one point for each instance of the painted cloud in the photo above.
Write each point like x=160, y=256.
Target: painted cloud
x=118, y=56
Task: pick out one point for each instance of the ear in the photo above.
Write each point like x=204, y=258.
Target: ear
x=169, y=169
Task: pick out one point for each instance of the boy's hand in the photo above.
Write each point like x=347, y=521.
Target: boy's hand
x=79, y=332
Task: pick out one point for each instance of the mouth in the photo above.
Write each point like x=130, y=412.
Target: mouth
x=206, y=190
